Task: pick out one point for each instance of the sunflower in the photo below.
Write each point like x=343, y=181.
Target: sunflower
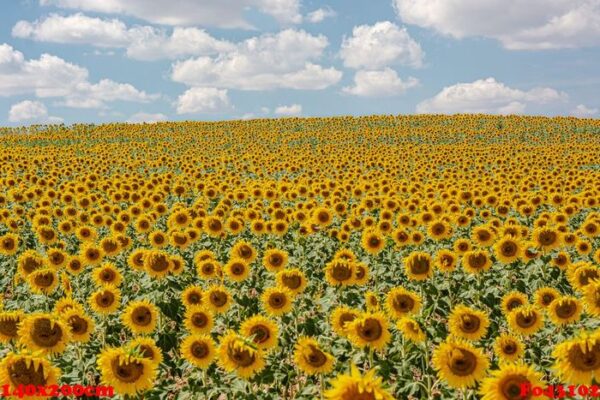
x=45, y=333
x=400, y=302
x=341, y=317
x=157, y=263
x=244, y=250
x=369, y=329
x=145, y=347
x=591, y=298
x=65, y=304
x=565, y=310
x=476, y=261
x=462, y=245
x=177, y=264
x=238, y=355
x=372, y=241
x=277, y=300
x=467, y=323
x=459, y=363
x=110, y=246
x=513, y=300
x=140, y=317
x=291, y=279
x=237, y=270
x=411, y=330
x=439, y=230
x=544, y=296
x=74, y=265
x=29, y=261
x=107, y=274
x=507, y=250
x=158, y=239
x=261, y=330
x=217, y=298
x=418, y=266
x=275, y=260
x=198, y=350
x=371, y=301
x=81, y=325
x=507, y=382
x=56, y=258
x=9, y=323
x=9, y=244
x=136, y=259
x=525, y=320
x=445, y=260
x=577, y=360
x=18, y=370
x=126, y=373
x=208, y=269
x=198, y=319
x=546, y=238
x=508, y=347
x=357, y=386
x=43, y=281
x=192, y=295
x=483, y=236
x=310, y=359
x=105, y=300
x=581, y=274
x=361, y=273
x=339, y=272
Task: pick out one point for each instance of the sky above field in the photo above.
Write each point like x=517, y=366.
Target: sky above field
x=150, y=60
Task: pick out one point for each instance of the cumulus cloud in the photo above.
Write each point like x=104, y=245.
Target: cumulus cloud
x=320, y=14
x=584, y=112
x=224, y=14
x=141, y=42
x=517, y=24
x=202, y=100
x=31, y=111
x=293, y=109
x=51, y=76
x=146, y=117
x=381, y=83
x=487, y=96
x=380, y=45
x=282, y=60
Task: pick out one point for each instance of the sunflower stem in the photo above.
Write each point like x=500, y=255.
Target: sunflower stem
x=321, y=386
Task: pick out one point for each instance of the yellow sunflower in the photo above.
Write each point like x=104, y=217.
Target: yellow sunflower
x=126, y=373
x=400, y=302
x=525, y=320
x=467, y=323
x=192, y=295
x=341, y=317
x=9, y=324
x=261, y=330
x=198, y=350
x=235, y=354
x=476, y=261
x=208, y=269
x=510, y=382
x=372, y=241
x=446, y=260
x=43, y=281
x=217, y=298
x=591, y=298
x=244, y=250
x=45, y=333
x=577, y=360
x=198, y=319
x=411, y=330
x=107, y=274
x=544, y=296
x=565, y=310
x=146, y=347
x=369, y=329
x=81, y=325
x=459, y=364
x=508, y=347
x=275, y=260
x=310, y=358
x=513, y=300
x=105, y=300
x=140, y=317
x=26, y=368
x=237, y=270
x=292, y=279
x=277, y=300
x=357, y=386
x=157, y=263
x=507, y=250
x=339, y=272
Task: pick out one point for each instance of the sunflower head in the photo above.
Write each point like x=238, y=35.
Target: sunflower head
x=43, y=281
x=46, y=333
x=578, y=359
x=508, y=347
x=126, y=373
x=145, y=347
x=236, y=354
x=341, y=317
x=80, y=324
x=513, y=300
x=506, y=383
x=565, y=310
x=418, y=266
x=277, y=300
x=400, y=302
x=275, y=260
x=105, y=300
x=140, y=317
x=217, y=299
x=411, y=330
x=310, y=358
x=198, y=350
x=261, y=330
x=9, y=324
x=369, y=329
x=525, y=320
x=25, y=368
x=192, y=295
x=467, y=323
x=357, y=386
x=292, y=279
x=198, y=319
x=339, y=272
x=476, y=261
x=459, y=363
x=237, y=270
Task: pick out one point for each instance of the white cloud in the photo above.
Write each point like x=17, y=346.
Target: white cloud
x=381, y=83
x=32, y=111
x=282, y=60
x=146, y=117
x=320, y=14
x=517, y=24
x=51, y=76
x=202, y=100
x=584, y=112
x=487, y=96
x=293, y=109
x=224, y=14
x=141, y=42
x=380, y=45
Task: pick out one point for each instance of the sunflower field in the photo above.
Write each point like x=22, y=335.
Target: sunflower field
x=381, y=257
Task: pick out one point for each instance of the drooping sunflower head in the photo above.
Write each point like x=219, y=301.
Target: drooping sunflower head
x=525, y=320
x=126, y=373
x=508, y=347
x=310, y=358
x=418, y=266
x=81, y=325
x=198, y=319
x=43, y=332
x=468, y=323
x=411, y=330
x=459, y=364
x=27, y=368
x=400, y=302
x=506, y=383
x=198, y=350
x=565, y=310
x=236, y=354
x=341, y=317
x=357, y=386
x=369, y=329
x=140, y=317
x=277, y=300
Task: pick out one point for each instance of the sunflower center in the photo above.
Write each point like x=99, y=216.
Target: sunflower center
x=346, y=318
x=159, y=263
x=370, y=330
x=105, y=299
x=21, y=374
x=8, y=326
x=292, y=281
x=316, y=357
x=584, y=361
x=277, y=300
x=107, y=275
x=509, y=348
x=127, y=372
x=462, y=362
x=374, y=241
x=341, y=272
x=275, y=260
x=403, y=303
x=241, y=356
x=547, y=238
x=470, y=323
x=547, y=299
x=511, y=387
x=141, y=316
x=218, y=299
x=566, y=309
x=526, y=321
x=146, y=351
x=110, y=246
x=509, y=249
x=8, y=243
x=586, y=276
x=208, y=269
x=31, y=264
x=194, y=298
x=199, y=350
x=199, y=320
x=45, y=279
x=45, y=333
x=261, y=333
x=245, y=251
x=477, y=261
x=237, y=269
x=360, y=272
x=514, y=303
x=78, y=325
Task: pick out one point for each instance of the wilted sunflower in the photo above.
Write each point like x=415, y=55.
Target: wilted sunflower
x=565, y=310
x=107, y=274
x=310, y=358
x=238, y=355
x=467, y=323
x=506, y=383
x=513, y=300
x=105, y=300
x=198, y=350
x=237, y=270
x=198, y=319
x=341, y=317
x=146, y=347
x=339, y=272
x=369, y=329
x=140, y=317
x=277, y=300
x=81, y=325
x=43, y=281
x=46, y=333
x=372, y=241
x=544, y=296
x=459, y=363
x=476, y=261
x=261, y=330
x=217, y=298
x=578, y=359
x=525, y=320
x=507, y=250
x=357, y=386
x=9, y=324
x=400, y=302
x=275, y=260
x=411, y=330
x=508, y=347
x=126, y=373
x=418, y=266
x=26, y=368
x=192, y=295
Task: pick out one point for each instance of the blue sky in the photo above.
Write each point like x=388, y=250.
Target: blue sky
x=145, y=60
